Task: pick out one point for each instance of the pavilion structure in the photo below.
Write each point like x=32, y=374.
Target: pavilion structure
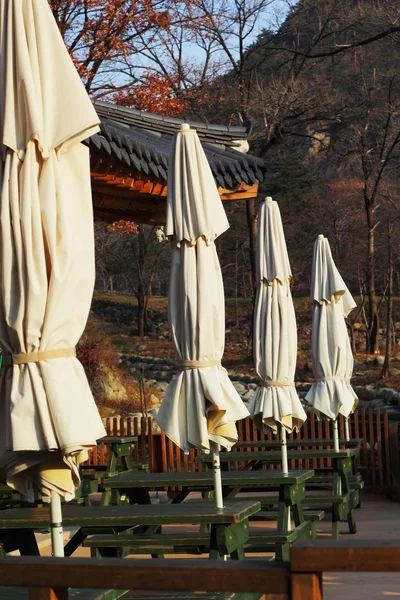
x=129, y=163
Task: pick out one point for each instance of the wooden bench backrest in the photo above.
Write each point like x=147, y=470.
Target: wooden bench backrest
x=55, y=575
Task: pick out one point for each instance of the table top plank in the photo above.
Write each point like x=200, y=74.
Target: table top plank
x=116, y=439
x=302, y=443
x=136, y=479
x=275, y=456
x=234, y=511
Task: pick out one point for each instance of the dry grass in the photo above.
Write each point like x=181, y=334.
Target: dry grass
x=116, y=337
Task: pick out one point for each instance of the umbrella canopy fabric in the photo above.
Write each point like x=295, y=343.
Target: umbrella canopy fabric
x=200, y=404
x=275, y=402
x=332, y=358
x=48, y=415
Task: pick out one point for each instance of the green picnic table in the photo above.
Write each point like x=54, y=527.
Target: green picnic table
x=323, y=475
x=119, y=460
x=135, y=487
x=343, y=499
x=228, y=531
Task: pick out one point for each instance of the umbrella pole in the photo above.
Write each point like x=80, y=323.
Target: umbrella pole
x=346, y=429
x=219, y=500
x=57, y=535
x=285, y=468
x=335, y=436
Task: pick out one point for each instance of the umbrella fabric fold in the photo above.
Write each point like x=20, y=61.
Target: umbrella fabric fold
x=48, y=417
x=332, y=358
x=275, y=402
x=194, y=208
x=200, y=404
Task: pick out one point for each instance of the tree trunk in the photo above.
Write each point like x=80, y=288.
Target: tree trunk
x=373, y=316
x=386, y=364
x=141, y=287
x=251, y=215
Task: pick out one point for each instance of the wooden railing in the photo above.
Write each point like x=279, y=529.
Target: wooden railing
x=50, y=578
x=379, y=455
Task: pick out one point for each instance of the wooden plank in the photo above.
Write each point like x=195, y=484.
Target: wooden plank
x=157, y=574
x=143, y=439
x=320, y=436
x=164, y=452
x=379, y=442
x=307, y=586
x=388, y=482
x=150, y=443
x=372, y=447
x=355, y=417
x=365, y=462
x=192, y=461
x=394, y=458
x=312, y=427
x=140, y=479
x=126, y=516
x=55, y=593
x=274, y=456
x=136, y=434
x=346, y=555
x=305, y=430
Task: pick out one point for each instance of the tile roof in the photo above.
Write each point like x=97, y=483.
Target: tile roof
x=142, y=142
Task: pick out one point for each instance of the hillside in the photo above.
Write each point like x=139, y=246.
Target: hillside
x=110, y=343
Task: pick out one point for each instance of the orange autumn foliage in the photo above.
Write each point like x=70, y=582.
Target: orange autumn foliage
x=122, y=228
x=155, y=94
x=101, y=35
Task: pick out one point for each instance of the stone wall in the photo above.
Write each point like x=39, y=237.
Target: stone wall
x=157, y=372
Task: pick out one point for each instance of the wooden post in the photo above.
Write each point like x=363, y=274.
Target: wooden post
x=48, y=594
x=306, y=586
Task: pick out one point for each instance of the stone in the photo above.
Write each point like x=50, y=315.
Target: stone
x=379, y=360
x=153, y=400
x=162, y=386
x=248, y=395
x=239, y=387
x=308, y=367
x=108, y=385
x=142, y=348
x=236, y=376
x=252, y=386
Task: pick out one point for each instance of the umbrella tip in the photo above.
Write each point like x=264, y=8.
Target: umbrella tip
x=268, y=199
x=185, y=127
x=321, y=236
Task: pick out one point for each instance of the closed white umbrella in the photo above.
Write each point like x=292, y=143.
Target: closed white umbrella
x=275, y=403
x=200, y=406
x=332, y=360
x=48, y=416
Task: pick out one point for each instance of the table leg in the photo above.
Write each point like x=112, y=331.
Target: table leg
x=19, y=539
x=75, y=542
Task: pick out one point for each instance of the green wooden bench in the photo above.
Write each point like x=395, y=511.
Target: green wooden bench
x=228, y=527
x=344, y=498
x=22, y=593
x=158, y=544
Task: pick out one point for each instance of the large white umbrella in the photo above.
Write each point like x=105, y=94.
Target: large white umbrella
x=48, y=416
x=332, y=360
x=200, y=405
x=275, y=403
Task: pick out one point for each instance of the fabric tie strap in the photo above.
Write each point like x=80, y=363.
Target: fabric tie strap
x=275, y=383
x=197, y=364
x=34, y=357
